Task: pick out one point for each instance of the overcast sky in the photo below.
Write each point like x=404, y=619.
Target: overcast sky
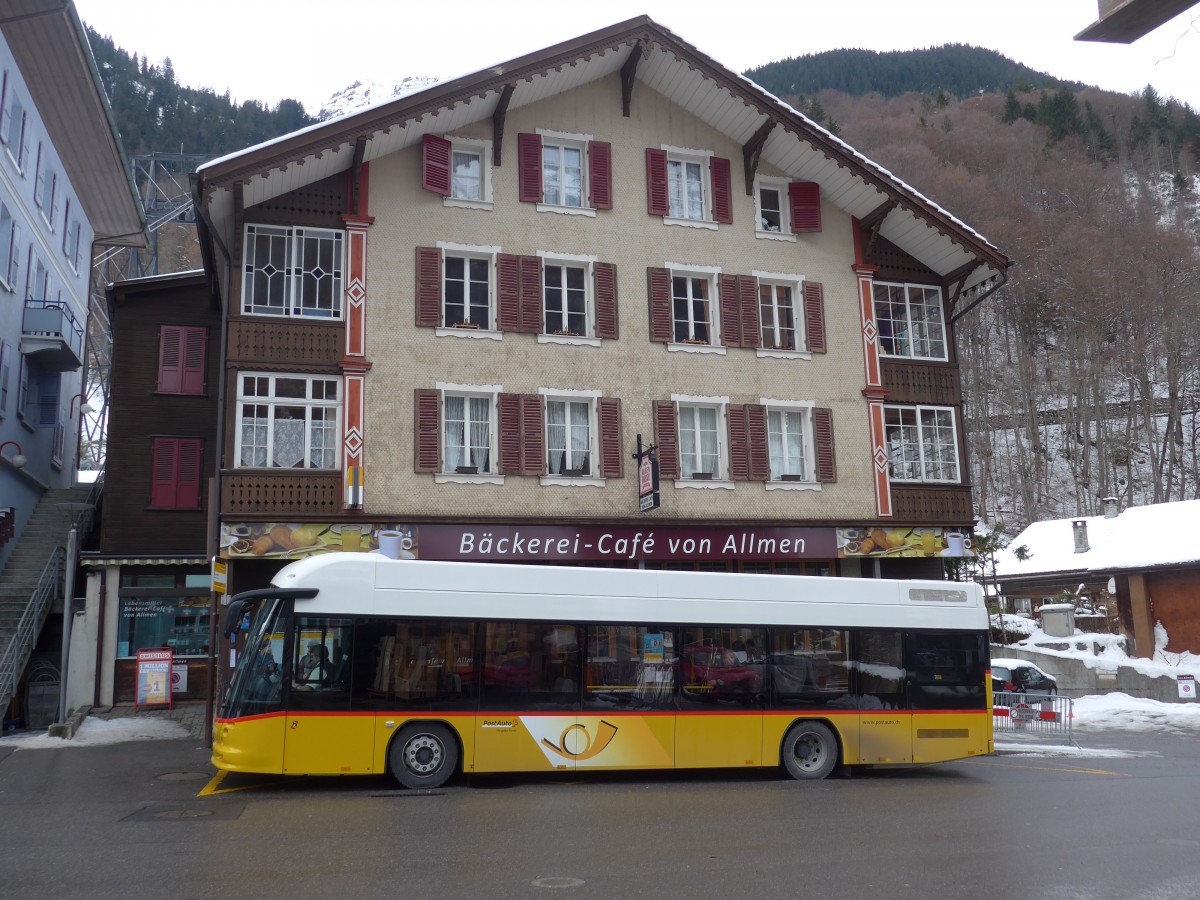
x=269, y=49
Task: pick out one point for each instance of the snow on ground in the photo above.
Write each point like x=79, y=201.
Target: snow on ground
x=94, y=732
x=1101, y=651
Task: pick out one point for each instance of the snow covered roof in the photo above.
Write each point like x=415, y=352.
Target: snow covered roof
x=645, y=55
x=1142, y=537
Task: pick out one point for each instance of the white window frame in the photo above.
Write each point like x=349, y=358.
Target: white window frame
x=9, y=237
x=565, y=395
x=804, y=409
x=705, y=273
x=294, y=308
x=780, y=186
x=489, y=392
x=580, y=142
x=721, y=478
x=908, y=290
x=37, y=278
x=796, y=283
x=72, y=230
x=574, y=260
x=683, y=156
x=45, y=186
x=469, y=252
x=920, y=446
x=272, y=399
x=16, y=153
x=474, y=146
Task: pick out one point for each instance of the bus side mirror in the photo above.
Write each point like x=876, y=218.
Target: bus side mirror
x=233, y=617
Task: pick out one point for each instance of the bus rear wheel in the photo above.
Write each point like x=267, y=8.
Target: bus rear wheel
x=810, y=751
x=423, y=756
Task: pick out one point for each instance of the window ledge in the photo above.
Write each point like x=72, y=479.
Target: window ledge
x=695, y=348
x=569, y=340
x=562, y=481
x=567, y=210
x=455, y=478
x=690, y=223
x=458, y=203
x=900, y=357
x=477, y=333
x=793, y=486
x=783, y=354
x=704, y=484
x=775, y=236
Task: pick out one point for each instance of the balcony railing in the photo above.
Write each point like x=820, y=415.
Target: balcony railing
x=280, y=495
x=50, y=331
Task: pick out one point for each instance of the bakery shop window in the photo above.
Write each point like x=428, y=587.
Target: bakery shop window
x=288, y=421
x=164, y=609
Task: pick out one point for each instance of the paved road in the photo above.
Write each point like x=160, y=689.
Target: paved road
x=125, y=821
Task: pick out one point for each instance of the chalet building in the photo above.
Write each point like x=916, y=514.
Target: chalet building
x=453, y=319
x=148, y=582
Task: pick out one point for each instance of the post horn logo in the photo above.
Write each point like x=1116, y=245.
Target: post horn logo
x=605, y=732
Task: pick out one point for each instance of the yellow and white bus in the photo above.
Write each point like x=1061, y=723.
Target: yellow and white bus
x=434, y=668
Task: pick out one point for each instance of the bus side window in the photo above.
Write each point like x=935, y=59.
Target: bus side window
x=630, y=667
x=808, y=667
x=879, y=664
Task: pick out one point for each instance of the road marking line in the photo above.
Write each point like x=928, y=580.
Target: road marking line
x=1055, y=769
x=211, y=788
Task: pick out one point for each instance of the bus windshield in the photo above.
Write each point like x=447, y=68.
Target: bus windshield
x=258, y=683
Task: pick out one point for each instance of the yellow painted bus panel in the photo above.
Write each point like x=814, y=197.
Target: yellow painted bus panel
x=249, y=745
x=569, y=741
x=718, y=740
x=328, y=744
x=885, y=738
x=941, y=737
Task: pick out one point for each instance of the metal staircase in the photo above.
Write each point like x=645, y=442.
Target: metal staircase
x=32, y=581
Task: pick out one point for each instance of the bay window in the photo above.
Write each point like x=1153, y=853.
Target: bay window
x=921, y=443
x=288, y=421
x=909, y=321
x=293, y=271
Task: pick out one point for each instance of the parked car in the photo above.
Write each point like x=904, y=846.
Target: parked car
x=1021, y=677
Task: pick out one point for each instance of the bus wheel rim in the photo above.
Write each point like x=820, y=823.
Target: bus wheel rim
x=809, y=752
x=423, y=754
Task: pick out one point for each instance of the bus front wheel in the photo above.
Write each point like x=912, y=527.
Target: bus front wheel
x=810, y=751
x=423, y=756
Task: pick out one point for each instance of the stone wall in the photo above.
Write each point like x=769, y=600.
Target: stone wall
x=1077, y=679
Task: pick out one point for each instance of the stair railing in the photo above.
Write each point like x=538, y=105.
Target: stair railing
x=20, y=645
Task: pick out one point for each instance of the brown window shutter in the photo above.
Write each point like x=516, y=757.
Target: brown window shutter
x=435, y=164
x=509, y=430
x=606, y=301
x=195, y=347
x=531, y=294
x=722, y=188
x=804, y=197
x=731, y=320
x=533, y=435
x=170, y=358
x=814, y=316
x=660, y=304
x=162, y=487
x=612, y=459
x=756, y=439
x=600, y=173
x=739, y=447
x=428, y=439
x=529, y=168
x=657, y=199
x=508, y=292
x=823, y=435
x=747, y=292
x=187, y=494
x=666, y=436
x=429, y=287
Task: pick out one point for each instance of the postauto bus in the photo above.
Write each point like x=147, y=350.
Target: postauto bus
x=359, y=664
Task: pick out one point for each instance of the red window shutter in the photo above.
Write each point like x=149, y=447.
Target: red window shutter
x=428, y=439
x=195, y=346
x=529, y=168
x=531, y=295
x=731, y=320
x=804, y=197
x=187, y=494
x=600, y=173
x=170, y=359
x=612, y=459
x=660, y=304
x=657, y=199
x=435, y=164
x=164, y=477
x=666, y=435
x=823, y=435
x=722, y=188
x=533, y=435
x=814, y=316
x=429, y=287
x=606, y=301
x=509, y=429
x=747, y=291
x=508, y=291
x=759, y=455
x=739, y=447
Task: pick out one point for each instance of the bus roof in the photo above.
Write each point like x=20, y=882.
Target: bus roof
x=371, y=584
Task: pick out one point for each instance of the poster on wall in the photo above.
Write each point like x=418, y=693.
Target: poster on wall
x=903, y=540
x=153, y=677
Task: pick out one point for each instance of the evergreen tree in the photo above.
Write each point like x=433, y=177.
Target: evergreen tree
x=1012, y=108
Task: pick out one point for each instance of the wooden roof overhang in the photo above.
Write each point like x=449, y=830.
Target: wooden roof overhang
x=645, y=55
x=50, y=47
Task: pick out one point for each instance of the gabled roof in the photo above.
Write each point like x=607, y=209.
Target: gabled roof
x=49, y=44
x=643, y=53
x=1140, y=538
